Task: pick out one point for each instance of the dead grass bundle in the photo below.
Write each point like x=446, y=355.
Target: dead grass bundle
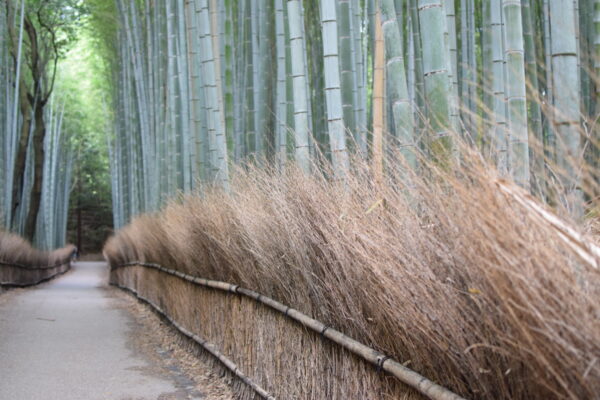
x=23, y=265
x=443, y=271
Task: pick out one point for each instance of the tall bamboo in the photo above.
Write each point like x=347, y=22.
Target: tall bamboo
x=398, y=90
x=435, y=75
x=500, y=134
x=301, y=102
x=516, y=93
x=536, y=136
x=565, y=80
x=281, y=93
x=378, y=99
x=451, y=43
x=347, y=66
x=335, y=123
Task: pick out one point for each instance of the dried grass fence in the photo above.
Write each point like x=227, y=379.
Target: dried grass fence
x=22, y=265
x=384, y=363
x=459, y=276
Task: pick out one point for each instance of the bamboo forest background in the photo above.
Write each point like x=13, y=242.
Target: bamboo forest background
x=202, y=85
x=75, y=175
x=57, y=164
x=188, y=90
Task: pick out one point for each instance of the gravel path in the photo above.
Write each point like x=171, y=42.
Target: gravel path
x=76, y=338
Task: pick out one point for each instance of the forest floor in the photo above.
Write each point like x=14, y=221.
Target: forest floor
x=78, y=338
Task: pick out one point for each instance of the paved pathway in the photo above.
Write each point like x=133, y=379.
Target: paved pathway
x=67, y=340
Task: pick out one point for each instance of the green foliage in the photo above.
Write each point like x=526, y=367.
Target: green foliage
x=57, y=22
x=85, y=91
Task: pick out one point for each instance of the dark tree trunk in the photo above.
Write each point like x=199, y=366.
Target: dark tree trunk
x=20, y=161
x=38, y=154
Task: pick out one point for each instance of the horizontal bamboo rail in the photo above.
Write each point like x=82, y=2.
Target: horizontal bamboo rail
x=209, y=347
x=35, y=268
x=42, y=279
x=383, y=362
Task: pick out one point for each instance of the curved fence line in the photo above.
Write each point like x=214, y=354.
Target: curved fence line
x=382, y=361
x=41, y=279
x=209, y=347
x=34, y=268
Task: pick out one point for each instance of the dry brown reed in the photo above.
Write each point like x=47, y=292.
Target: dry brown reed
x=23, y=265
x=441, y=271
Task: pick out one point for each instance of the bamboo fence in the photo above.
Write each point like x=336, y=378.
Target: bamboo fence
x=380, y=360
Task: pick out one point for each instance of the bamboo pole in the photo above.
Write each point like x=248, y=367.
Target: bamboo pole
x=301, y=127
x=397, y=86
x=335, y=122
x=438, y=90
x=378, y=100
x=566, y=117
x=500, y=135
x=516, y=97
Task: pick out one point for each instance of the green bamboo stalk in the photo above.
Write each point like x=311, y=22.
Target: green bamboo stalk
x=335, y=123
x=536, y=138
x=419, y=84
x=184, y=100
x=281, y=102
x=248, y=134
x=348, y=84
x=398, y=89
x=228, y=63
x=549, y=134
x=435, y=76
x=450, y=34
x=565, y=76
x=213, y=91
x=486, y=81
x=14, y=119
x=516, y=97
x=596, y=69
x=360, y=99
x=500, y=136
x=255, y=135
x=301, y=105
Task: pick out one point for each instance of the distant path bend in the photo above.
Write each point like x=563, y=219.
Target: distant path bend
x=69, y=340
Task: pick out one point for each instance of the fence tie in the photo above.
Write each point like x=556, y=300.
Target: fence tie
x=380, y=361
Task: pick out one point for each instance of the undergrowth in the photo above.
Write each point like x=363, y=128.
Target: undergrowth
x=15, y=250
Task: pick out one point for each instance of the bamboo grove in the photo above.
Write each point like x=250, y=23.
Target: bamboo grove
x=36, y=155
x=202, y=85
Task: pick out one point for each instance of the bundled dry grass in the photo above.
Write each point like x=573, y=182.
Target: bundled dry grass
x=446, y=273
x=23, y=265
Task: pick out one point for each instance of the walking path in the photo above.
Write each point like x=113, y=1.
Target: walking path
x=71, y=339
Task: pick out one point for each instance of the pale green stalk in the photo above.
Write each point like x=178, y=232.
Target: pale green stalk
x=301, y=104
x=565, y=80
x=335, y=123
x=515, y=93
x=397, y=87
x=435, y=75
